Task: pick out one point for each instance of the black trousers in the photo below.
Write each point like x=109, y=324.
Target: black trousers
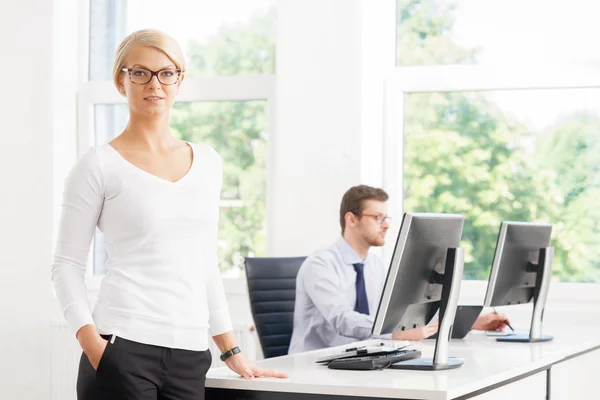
x=129, y=370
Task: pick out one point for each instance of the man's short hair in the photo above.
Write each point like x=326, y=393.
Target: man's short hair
x=354, y=199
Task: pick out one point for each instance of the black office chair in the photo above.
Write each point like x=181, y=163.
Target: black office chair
x=272, y=291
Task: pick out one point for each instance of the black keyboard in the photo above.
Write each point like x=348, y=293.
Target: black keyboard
x=374, y=362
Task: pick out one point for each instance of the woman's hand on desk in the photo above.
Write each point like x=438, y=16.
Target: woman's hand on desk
x=246, y=368
x=417, y=334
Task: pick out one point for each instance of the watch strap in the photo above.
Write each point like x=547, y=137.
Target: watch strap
x=229, y=353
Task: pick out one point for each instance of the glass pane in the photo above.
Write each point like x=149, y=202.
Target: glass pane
x=228, y=37
x=435, y=32
x=237, y=131
x=509, y=155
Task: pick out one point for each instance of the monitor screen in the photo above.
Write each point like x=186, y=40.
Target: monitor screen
x=513, y=274
x=410, y=298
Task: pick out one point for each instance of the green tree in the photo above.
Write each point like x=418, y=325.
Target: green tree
x=237, y=49
x=570, y=148
x=423, y=34
x=237, y=131
x=463, y=154
x=462, y=159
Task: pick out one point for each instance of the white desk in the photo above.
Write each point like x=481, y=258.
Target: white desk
x=488, y=365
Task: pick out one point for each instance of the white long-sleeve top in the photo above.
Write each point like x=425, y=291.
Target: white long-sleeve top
x=163, y=285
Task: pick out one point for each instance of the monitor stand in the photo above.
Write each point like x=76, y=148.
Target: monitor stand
x=542, y=284
x=450, y=291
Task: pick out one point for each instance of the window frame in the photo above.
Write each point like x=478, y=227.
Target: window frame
x=460, y=78
x=218, y=88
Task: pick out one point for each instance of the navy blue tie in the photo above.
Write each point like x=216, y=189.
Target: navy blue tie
x=362, y=305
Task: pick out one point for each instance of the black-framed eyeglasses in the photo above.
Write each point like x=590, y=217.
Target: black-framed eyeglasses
x=141, y=76
x=378, y=217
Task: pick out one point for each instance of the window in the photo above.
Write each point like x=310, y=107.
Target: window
x=228, y=37
x=527, y=155
x=225, y=101
x=441, y=32
x=496, y=121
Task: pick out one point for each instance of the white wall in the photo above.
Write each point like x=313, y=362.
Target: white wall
x=332, y=57
x=25, y=198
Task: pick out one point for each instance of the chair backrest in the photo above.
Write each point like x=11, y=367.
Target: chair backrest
x=272, y=291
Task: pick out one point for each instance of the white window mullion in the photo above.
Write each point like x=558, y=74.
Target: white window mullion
x=271, y=165
x=229, y=88
x=393, y=163
x=461, y=78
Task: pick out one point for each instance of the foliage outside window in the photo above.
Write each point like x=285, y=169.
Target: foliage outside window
x=464, y=154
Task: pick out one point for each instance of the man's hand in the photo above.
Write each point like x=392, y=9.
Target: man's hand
x=418, y=333
x=491, y=322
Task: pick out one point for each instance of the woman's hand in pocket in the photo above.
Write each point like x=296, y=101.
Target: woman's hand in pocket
x=92, y=344
x=96, y=352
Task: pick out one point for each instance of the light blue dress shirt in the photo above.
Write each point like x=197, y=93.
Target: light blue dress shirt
x=324, y=313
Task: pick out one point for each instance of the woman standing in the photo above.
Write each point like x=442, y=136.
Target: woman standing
x=156, y=199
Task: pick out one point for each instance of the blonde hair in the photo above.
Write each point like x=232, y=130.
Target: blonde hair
x=150, y=38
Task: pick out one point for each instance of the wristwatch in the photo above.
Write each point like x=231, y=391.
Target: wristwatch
x=230, y=353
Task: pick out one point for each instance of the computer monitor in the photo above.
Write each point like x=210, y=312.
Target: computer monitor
x=521, y=272
x=424, y=276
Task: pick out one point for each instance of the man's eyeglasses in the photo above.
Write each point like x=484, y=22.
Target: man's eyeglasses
x=378, y=217
x=141, y=76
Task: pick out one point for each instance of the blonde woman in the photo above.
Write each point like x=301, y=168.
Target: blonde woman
x=156, y=199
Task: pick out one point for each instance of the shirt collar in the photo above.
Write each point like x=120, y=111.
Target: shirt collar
x=348, y=254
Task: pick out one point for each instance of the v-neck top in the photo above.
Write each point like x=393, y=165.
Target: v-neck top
x=148, y=174
x=163, y=285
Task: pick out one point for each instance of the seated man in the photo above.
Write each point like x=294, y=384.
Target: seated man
x=338, y=289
